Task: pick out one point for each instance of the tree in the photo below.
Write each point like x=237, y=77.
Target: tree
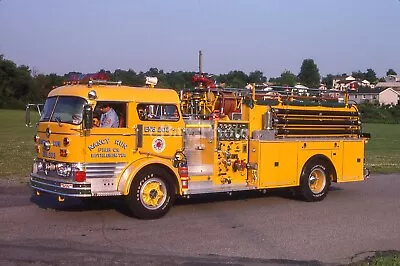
x=257, y=77
x=234, y=79
x=358, y=75
x=371, y=75
x=391, y=72
x=328, y=81
x=287, y=78
x=309, y=74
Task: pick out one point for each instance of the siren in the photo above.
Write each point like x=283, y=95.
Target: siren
x=151, y=81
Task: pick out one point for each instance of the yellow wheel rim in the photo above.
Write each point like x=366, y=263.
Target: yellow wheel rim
x=317, y=180
x=153, y=193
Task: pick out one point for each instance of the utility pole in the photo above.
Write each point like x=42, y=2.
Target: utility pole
x=200, y=62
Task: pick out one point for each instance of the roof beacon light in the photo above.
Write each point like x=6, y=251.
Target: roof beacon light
x=92, y=95
x=151, y=82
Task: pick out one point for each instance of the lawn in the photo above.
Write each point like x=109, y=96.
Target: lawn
x=16, y=145
x=17, y=149
x=385, y=258
x=383, y=149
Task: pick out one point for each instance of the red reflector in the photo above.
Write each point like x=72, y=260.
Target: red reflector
x=80, y=176
x=185, y=184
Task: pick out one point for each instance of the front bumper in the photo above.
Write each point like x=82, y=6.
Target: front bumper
x=61, y=187
x=366, y=173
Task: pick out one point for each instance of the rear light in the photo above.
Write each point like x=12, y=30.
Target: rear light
x=63, y=152
x=80, y=176
x=66, y=141
x=35, y=138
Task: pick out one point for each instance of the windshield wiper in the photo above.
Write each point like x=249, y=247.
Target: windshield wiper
x=58, y=121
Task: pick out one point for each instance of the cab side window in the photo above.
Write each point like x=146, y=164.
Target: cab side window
x=110, y=114
x=157, y=112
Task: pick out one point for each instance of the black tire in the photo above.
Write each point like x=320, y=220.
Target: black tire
x=315, y=180
x=152, y=194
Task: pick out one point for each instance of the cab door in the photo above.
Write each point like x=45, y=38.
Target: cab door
x=113, y=144
x=161, y=128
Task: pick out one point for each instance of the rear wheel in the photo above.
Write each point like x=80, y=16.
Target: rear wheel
x=315, y=180
x=152, y=194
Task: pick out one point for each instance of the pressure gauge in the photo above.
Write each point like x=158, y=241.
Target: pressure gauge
x=237, y=134
x=245, y=133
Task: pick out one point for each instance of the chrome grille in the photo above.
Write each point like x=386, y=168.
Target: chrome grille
x=102, y=170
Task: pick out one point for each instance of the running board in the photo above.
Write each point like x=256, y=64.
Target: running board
x=204, y=187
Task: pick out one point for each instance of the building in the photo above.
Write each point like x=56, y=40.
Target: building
x=382, y=96
x=343, y=83
x=389, y=96
x=391, y=81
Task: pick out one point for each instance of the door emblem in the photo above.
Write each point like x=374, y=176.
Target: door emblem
x=158, y=144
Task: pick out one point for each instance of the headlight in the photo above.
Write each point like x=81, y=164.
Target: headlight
x=63, y=169
x=39, y=165
x=34, y=168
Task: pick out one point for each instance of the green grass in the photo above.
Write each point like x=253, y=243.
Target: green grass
x=386, y=261
x=16, y=145
x=383, y=149
x=17, y=149
x=385, y=258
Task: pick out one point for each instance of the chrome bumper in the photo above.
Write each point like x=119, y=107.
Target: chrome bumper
x=61, y=187
x=366, y=173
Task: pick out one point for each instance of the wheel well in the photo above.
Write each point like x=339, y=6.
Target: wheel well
x=171, y=174
x=333, y=174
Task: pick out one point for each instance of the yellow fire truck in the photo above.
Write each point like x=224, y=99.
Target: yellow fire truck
x=198, y=141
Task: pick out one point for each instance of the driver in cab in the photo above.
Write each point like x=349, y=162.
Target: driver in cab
x=109, y=118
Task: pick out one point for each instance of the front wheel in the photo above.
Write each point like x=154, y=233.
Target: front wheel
x=151, y=194
x=315, y=180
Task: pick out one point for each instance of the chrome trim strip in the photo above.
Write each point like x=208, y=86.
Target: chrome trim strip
x=51, y=185
x=105, y=165
x=56, y=179
x=100, y=170
x=219, y=188
x=62, y=194
x=99, y=175
x=105, y=194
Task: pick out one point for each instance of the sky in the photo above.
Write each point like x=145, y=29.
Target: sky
x=267, y=35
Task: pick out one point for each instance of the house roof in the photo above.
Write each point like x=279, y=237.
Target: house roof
x=366, y=90
x=390, y=84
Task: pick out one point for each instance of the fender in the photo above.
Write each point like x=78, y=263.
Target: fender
x=125, y=180
x=325, y=158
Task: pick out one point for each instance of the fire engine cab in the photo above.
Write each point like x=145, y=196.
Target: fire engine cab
x=197, y=141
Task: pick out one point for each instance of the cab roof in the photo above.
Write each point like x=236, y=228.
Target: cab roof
x=119, y=93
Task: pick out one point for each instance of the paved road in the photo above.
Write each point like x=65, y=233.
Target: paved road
x=247, y=229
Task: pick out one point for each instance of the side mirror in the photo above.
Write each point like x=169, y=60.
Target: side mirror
x=39, y=108
x=87, y=116
x=28, y=116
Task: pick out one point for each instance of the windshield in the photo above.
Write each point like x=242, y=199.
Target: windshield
x=47, y=109
x=68, y=109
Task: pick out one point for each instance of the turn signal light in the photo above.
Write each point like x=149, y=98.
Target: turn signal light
x=80, y=176
x=66, y=141
x=63, y=152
